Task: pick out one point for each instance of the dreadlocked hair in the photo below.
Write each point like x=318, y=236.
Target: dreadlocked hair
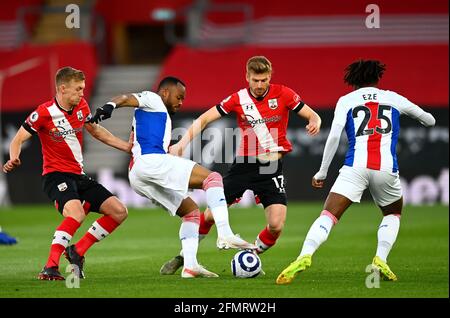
x=364, y=73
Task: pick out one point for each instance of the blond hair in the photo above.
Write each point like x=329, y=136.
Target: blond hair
x=66, y=74
x=259, y=65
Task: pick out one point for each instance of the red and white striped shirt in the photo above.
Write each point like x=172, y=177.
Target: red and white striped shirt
x=61, y=135
x=263, y=121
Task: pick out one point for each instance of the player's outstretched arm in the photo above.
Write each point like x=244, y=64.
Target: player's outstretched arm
x=314, y=120
x=104, y=135
x=427, y=119
x=196, y=128
x=105, y=112
x=328, y=154
x=422, y=116
x=412, y=110
x=15, y=148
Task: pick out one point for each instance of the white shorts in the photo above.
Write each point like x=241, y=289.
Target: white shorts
x=384, y=187
x=162, y=178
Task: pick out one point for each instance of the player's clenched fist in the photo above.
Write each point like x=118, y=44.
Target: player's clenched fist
x=318, y=184
x=10, y=165
x=318, y=180
x=103, y=113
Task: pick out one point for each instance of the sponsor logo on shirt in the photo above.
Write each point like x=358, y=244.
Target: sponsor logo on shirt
x=253, y=122
x=59, y=133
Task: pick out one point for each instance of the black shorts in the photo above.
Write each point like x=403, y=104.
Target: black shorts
x=61, y=187
x=266, y=180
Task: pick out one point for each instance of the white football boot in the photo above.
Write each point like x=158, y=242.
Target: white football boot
x=198, y=271
x=234, y=241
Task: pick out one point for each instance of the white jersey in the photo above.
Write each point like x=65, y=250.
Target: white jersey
x=154, y=173
x=371, y=119
x=152, y=125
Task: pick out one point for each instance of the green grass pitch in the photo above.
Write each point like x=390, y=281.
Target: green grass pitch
x=126, y=264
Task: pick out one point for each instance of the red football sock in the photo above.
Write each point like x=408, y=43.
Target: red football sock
x=61, y=239
x=205, y=226
x=265, y=240
x=98, y=231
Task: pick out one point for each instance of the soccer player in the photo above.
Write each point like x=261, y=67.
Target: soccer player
x=371, y=119
x=262, y=112
x=164, y=178
x=59, y=125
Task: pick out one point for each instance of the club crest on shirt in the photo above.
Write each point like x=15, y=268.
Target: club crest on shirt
x=80, y=115
x=62, y=187
x=273, y=103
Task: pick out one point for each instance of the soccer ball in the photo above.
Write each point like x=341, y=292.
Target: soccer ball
x=245, y=264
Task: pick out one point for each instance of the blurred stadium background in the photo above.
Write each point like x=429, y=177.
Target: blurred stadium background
x=128, y=48
x=206, y=43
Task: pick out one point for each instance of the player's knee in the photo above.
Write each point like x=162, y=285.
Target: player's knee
x=213, y=180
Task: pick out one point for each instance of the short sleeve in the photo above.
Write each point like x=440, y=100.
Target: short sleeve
x=293, y=100
x=150, y=100
x=227, y=105
x=86, y=112
x=34, y=122
x=340, y=114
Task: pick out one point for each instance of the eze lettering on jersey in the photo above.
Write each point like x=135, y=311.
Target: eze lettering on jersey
x=273, y=103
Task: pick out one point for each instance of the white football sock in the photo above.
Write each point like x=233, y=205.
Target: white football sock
x=200, y=238
x=189, y=243
x=215, y=198
x=387, y=234
x=317, y=234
